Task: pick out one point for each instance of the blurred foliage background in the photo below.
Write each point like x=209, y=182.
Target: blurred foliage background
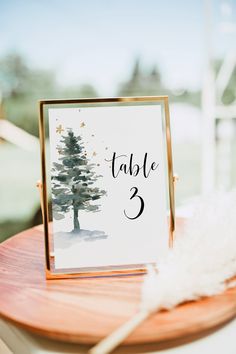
x=22, y=84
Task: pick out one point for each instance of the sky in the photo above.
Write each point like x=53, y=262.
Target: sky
x=97, y=41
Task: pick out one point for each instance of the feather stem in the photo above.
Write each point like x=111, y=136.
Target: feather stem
x=108, y=344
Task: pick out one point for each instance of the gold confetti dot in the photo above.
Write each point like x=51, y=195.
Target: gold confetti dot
x=82, y=125
x=94, y=153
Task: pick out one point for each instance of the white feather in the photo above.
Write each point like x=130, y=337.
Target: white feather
x=203, y=257
x=202, y=260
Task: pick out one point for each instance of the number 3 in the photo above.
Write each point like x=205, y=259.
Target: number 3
x=141, y=201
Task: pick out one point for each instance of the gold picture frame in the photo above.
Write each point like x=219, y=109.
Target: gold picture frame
x=49, y=254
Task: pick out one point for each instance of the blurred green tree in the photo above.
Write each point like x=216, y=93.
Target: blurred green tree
x=229, y=94
x=149, y=82
x=22, y=86
x=142, y=83
x=13, y=75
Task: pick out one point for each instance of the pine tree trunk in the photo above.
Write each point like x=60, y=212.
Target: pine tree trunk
x=76, y=220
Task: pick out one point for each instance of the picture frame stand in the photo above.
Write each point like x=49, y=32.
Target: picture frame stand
x=81, y=157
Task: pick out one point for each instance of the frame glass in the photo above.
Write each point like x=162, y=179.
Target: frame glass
x=107, y=169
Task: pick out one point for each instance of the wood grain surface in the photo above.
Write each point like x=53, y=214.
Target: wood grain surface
x=86, y=310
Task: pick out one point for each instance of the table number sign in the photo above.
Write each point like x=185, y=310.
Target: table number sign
x=107, y=170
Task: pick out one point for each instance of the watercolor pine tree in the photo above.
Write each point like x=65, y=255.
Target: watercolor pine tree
x=73, y=180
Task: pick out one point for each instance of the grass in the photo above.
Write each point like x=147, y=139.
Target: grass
x=19, y=196
x=187, y=165
x=20, y=171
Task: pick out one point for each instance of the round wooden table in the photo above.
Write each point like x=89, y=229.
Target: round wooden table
x=86, y=310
